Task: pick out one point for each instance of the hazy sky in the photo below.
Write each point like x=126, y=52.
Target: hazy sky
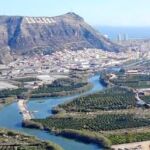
x=95, y=12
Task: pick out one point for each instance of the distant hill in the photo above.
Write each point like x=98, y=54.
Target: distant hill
x=29, y=35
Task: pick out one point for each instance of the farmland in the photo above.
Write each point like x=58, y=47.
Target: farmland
x=129, y=137
x=110, y=99
x=104, y=122
x=61, y=87
x=134, y=81
x=23, y=142
x=11, y=92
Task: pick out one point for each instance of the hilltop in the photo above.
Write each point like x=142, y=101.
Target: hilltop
x=30, y=35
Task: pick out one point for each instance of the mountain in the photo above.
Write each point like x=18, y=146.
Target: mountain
x=5, y=55
x=29, y=35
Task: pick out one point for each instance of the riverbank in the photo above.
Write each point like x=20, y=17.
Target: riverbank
x=78, y=135
x=106, y=139
x=63, y=93
x=86, y=137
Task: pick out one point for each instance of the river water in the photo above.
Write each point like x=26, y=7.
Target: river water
x=10, y=117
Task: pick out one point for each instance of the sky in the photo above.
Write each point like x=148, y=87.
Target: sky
x=95, y=12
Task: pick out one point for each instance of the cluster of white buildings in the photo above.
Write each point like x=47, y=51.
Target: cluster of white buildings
x=64, y=61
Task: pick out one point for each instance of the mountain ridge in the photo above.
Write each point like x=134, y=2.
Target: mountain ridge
x=29, y=35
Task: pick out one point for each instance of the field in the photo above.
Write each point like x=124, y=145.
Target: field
x=7, y=85
x=62, y=87
x=59, y=87
x=134, y=81
x=10, y=93
x=129, y=137
x=10, y=140
x=111, y=99
x=29, y=79
x=104, y=122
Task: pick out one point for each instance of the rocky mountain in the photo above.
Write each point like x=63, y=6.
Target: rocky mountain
x=29, y=35
x=5, y=55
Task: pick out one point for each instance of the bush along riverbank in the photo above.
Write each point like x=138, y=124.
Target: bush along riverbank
x=85, y=137
x=79, y=135
x=7, y=100
x=46, y=92
x=32, y=124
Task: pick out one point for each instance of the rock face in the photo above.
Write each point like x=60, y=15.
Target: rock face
x=29, y=35
x=5, y=55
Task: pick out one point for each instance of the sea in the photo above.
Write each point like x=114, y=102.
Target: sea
x=125, y=32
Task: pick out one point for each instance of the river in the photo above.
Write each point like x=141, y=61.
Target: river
x=10, y=117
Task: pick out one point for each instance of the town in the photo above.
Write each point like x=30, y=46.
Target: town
x=65, y=61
